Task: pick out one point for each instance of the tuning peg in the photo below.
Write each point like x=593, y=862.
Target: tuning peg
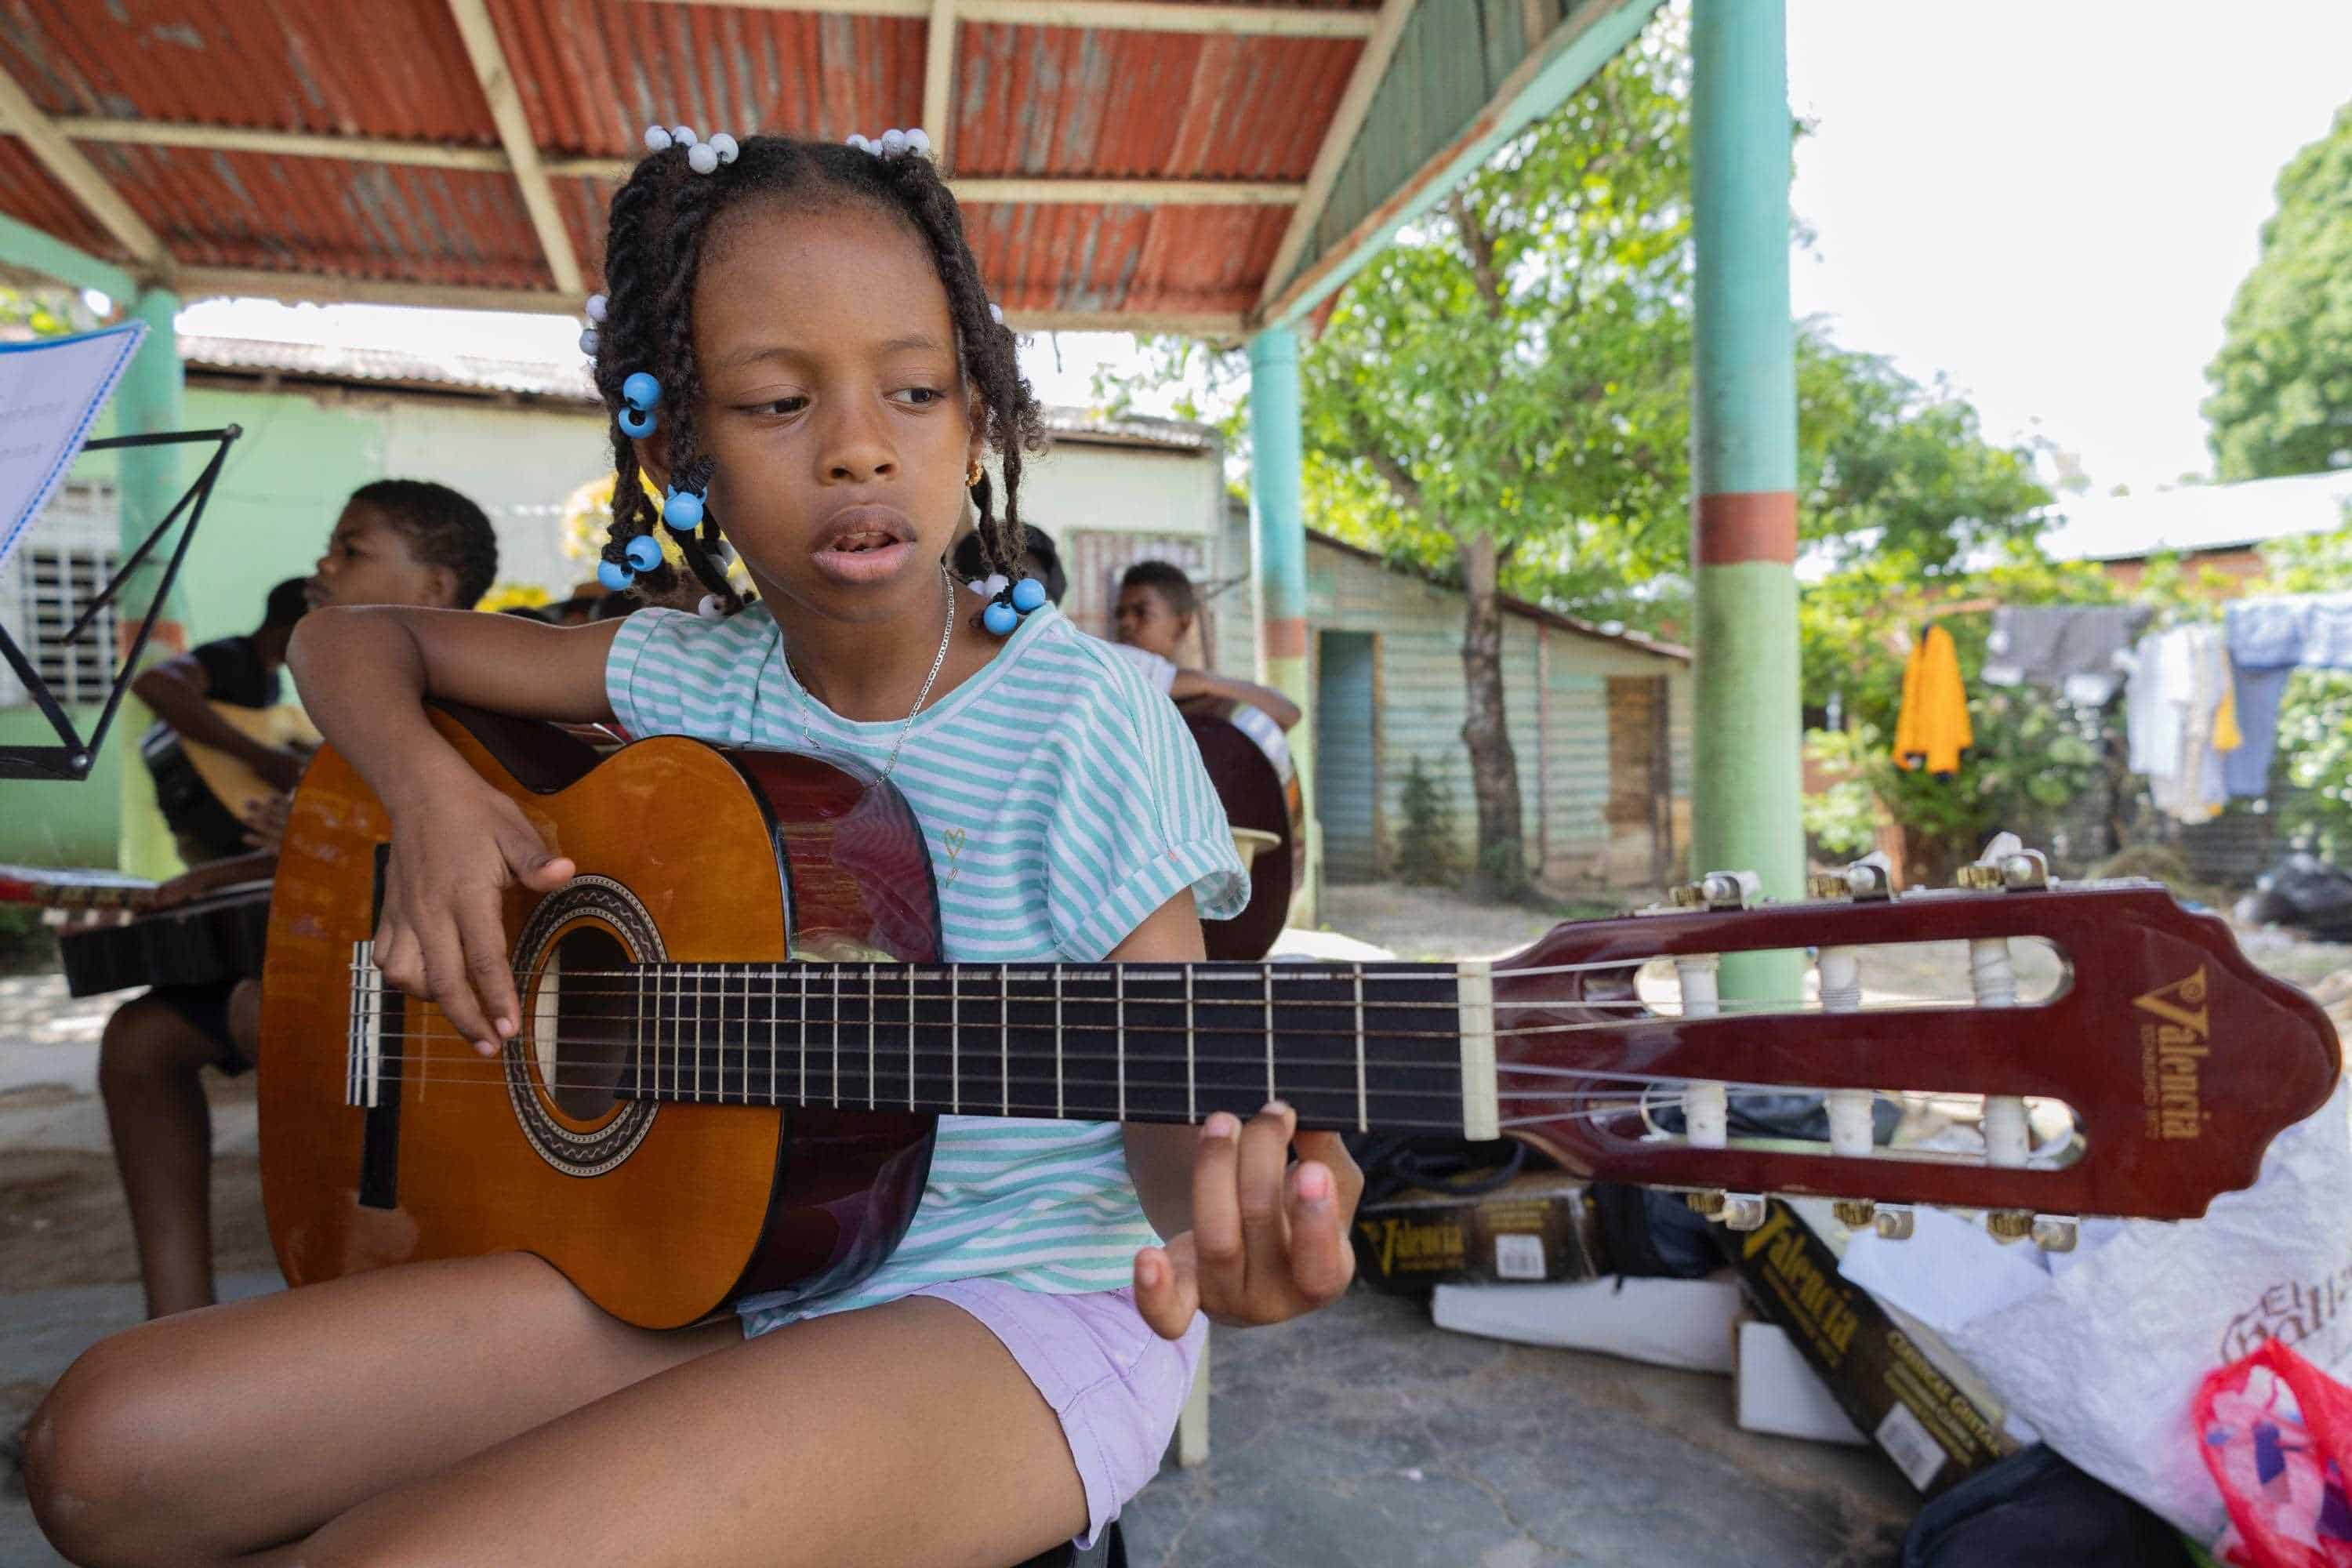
x=2007, y=867
x=2009, y=1224
x=1855, y=1214
x=1894, y=1221
x=2055, y=1232
x=1743, y=1211
x=1706, y=1203
x=1718, y=891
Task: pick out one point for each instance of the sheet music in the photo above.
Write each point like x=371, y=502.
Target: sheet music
x=50, y=392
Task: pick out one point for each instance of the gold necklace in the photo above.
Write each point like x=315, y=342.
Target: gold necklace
x=939, y=659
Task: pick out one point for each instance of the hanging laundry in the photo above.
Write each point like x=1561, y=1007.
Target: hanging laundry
x=2269, y=639
x=2190, y=725
x=2077, y=650
x=1931, y=730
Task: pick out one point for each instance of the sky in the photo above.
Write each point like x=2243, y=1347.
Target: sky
x=2048, y=202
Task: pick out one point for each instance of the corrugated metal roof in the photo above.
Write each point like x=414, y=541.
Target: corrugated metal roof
x=568, y=381
x=1029, y=101
x=2198, y=516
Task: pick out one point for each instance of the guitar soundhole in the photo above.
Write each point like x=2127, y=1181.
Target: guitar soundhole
x=584, y=1023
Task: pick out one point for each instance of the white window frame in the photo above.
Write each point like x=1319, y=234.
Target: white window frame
x=69, y=553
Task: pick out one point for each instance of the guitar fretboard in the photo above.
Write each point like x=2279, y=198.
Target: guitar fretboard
x=1348, y=1046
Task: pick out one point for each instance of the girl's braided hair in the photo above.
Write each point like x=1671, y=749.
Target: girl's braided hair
x=660, y=224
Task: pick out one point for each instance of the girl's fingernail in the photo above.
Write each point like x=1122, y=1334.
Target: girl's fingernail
x=1275, y=1108
x=1148, y=1273
x=1314, y=1183
x=488, y=1047
x=1220, y=1124
x=506, y=1028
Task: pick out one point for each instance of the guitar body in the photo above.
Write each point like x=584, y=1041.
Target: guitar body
x=233, y=783
x=1250, y=765
x=662, y=1214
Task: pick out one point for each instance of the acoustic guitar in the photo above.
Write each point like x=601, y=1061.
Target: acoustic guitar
x=1249, y=766
x=737, y=1035
x=231, y=780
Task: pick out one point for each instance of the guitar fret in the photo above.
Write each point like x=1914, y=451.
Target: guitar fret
x=1118, y=1039
x=775, y=989
x=1363, y=1117
x=1192, y=1052
x=836, y=1037
x=1005, y=1036
x=1265, y=981
x=955, y=1041
x=911, y=1038
x=1057, y=1043
x=872, y=1103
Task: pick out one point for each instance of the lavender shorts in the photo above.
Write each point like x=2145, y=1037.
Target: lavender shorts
x=1116, y=1386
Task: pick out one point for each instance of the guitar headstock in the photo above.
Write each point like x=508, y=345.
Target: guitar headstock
x=2179, y=1060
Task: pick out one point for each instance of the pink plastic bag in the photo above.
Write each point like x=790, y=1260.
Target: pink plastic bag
x=2277, y=1435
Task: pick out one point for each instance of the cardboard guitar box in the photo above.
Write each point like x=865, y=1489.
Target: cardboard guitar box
x=1901, y=1385
x=1541, y=1228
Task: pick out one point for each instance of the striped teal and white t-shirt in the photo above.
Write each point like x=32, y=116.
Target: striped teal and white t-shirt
x=1062, y=801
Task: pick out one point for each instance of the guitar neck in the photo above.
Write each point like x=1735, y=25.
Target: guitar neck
x=1349, y=1046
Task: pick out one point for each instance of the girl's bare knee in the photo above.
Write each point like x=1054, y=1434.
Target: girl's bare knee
x=91, y=1469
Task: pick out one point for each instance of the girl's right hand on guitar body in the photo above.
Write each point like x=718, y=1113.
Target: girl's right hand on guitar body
x=442, y=934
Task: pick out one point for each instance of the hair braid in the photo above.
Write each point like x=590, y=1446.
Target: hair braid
x=659, y=226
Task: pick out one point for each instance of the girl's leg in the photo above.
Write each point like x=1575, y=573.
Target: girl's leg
x=903, y=1435
x=151, y=1071
x=205, y=1436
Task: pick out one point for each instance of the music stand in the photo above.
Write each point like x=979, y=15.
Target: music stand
x=72, y=758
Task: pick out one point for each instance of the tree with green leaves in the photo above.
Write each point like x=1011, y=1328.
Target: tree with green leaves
x=2282, y=399
x=1502, y=399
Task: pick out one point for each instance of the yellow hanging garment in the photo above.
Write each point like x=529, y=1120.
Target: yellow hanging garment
x=1932, y=730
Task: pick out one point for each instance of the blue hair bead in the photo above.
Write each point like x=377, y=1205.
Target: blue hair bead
x=1027, y=595
x=636, y=423
x=612, y=576
x=644, y=553
x=1000, y=618
x=682, y=510
x=641, y=390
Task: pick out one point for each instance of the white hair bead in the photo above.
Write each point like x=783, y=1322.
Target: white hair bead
x=702, y=159
x=894, y=143
x=596, y=307
x=711, y=609
x=860, y=142
x=588, y=342
x=657, y=139
x=724, y=145
x=682, y=135
x=918, y=143
x=996, y=312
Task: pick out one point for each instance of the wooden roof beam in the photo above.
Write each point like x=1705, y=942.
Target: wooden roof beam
x=938, y=83
x=208, y=282
x=1111, y=15
x=1338, y=141
x=995, y=189
x=489, y=60
x=64, y=160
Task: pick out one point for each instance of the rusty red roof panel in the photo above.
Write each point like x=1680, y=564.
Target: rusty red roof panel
x=594, y=73
x=1061, y=100
x=1165, y=259
x=325, y=66
x=30, y=195
x=322, y=214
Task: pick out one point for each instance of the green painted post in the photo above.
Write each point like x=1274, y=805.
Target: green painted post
x=1744, y=813
x=147, y=480
x=1278, y=519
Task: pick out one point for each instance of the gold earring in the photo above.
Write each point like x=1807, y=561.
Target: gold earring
x=973, y=476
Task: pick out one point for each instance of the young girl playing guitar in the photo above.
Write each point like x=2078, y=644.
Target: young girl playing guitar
x=797, y=344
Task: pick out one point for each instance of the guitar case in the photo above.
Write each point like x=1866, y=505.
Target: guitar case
x=1250, y=765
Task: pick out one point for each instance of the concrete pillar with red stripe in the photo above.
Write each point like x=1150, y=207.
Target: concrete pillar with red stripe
x=1278, y=520
x=1745, y=805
